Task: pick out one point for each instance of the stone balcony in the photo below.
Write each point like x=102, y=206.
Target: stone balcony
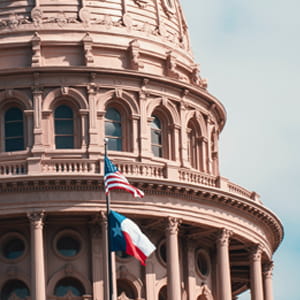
x=89, y=168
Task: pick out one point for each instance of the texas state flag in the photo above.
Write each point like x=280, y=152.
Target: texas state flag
x=126, y=236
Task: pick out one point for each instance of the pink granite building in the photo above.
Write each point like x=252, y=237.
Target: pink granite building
x=73, y=72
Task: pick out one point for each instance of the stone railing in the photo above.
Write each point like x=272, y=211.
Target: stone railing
x=11, y=168
x=195, y=177
x=78, y=166
x=155, y=171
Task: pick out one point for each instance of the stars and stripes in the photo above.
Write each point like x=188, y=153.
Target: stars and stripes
x=114, y=179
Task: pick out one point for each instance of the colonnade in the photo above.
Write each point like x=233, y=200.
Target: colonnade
x=260, y=275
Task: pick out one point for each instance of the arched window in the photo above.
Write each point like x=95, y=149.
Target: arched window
x=64, y=127
x=125, y=287
x=113, y=129
x=14, y=130
x=69, y=286
x=163, y=293
x=192, y=145
x=156, y=137
x=14, y=289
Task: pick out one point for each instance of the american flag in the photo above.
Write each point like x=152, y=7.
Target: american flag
x=114, y=179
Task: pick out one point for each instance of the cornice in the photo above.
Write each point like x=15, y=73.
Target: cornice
x=177, y=190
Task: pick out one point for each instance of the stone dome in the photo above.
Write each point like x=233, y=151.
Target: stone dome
x=73, y=73
x=141, y=35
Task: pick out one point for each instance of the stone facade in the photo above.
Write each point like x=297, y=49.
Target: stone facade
x=73, y=72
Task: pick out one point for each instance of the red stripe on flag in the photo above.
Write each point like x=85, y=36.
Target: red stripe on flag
x=132, y=250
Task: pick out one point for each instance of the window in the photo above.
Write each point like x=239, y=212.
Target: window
x=125, y=287
x=192, y=145
x=13, y=248
x=13, y=289
x=64, y=127
x=202, y=263
x=67, y=244
x=113, y=129
x=156, y=137
x=67, y=286
x=163, y=293
x=14, y=130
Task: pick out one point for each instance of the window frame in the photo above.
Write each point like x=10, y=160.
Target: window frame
x=13, y=104
x=126, y=124
x=77, y=134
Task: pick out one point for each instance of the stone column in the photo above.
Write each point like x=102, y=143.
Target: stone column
x=97, y=258
x=173, y=269
x=223, y=265
x=267, y=274
x=256, y=273
x=37, y=256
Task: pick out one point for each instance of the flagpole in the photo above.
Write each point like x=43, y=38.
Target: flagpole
x=110, y=271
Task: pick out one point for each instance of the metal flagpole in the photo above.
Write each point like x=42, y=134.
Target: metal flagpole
x=110, y=271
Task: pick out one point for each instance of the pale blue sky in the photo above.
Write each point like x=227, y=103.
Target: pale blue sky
x=249, y=52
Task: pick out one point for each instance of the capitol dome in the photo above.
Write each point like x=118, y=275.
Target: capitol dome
x=74, y=72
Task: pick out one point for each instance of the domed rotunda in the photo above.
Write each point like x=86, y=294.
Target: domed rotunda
x=74, y=72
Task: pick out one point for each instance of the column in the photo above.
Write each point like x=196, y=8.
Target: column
x=97, y=258
x=267, y=274
x=256, y=273
x=223, y=265
x=37, y=256
x=173, y=269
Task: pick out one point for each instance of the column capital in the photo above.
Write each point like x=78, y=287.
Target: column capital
x=268, y=269
x=256, y=252
x=173, y=225
x=36, y=219
x=223, y=236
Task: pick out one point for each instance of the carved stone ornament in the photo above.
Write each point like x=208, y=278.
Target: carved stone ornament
x=36, y=219
x=142, y=3
x=171, y=65
x=13, y=21
x=256, y=253
x=223, y=237
x=85, y=15
x=87, y=46
x=37, y=16
x=36, y=50
x=127, y=21
x=268, y=269
x=169, y=7
x=134, y=55
x=173, y=225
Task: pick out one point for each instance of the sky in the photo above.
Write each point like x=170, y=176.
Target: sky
x=249, y=51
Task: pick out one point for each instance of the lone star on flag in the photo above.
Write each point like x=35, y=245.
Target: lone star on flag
x=117, y=231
